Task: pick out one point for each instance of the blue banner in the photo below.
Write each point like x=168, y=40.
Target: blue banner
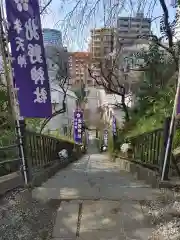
x=28, y=58
x=78, y=122
x=105, y=138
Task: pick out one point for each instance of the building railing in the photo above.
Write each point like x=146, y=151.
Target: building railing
x=147, y=148
x=9, y=159
x=40, y=151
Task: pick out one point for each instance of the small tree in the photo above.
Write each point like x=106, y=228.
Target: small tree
x=81, y=94
x=59, y=62
x=112, y=78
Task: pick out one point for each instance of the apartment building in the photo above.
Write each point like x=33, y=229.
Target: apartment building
x=177, y=28
x=101, y=45
x=102, y=41
x=52, y=37
x=78, y=68
x=131, y=37
x=130, y=28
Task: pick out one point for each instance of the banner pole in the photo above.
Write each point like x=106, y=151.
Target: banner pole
x=10, y=87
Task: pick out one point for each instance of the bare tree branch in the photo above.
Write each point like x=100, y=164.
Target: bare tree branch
x=62, y=110
x=57, y=56
x=166, y=23
x=108, y=85
x=45, y=7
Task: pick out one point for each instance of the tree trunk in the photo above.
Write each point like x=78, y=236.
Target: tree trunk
x=125, y=108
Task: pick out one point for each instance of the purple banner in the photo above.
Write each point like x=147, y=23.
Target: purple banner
x=114, y=130
x=78, y=121
x=105, y=138
x=28, y=58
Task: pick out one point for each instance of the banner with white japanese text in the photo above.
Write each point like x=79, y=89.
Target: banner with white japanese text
x=28, y=58
x=114, y=128
x=78, y=121
x=105, y=138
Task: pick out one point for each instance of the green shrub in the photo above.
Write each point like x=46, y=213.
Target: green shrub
x=100, y=142
x=8, y=138
x=176, y=139
x=57, y=135
x=110, y=143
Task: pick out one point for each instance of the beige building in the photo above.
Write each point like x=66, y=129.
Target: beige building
x=78, y=68
x=101, y=45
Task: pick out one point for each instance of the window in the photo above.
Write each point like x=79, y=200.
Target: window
x=124, y=25
x=106, y=50
x=77, y=81
x=65, y=130
x=97, y=38
x=89, y=82
x=146, y=26
x=123, y=31
x=136, y=25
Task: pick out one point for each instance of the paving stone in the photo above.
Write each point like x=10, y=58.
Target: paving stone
x=115, y=215
x=66, y=220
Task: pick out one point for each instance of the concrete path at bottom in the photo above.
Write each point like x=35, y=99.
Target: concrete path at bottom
x=97, y=201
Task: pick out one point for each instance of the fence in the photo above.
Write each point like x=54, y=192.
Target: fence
x=40, y=152
x=147, y=148
x=9, y=159
x=9, y=150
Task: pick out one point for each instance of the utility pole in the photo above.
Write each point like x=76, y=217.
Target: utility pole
x=6, y=67
x=12, y=101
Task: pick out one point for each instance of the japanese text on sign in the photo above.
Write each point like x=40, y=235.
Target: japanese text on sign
x=35, y=56
x=78, y=126
x=29, y=63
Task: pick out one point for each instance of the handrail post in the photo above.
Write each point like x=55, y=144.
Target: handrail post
x=114, y=141
x=96, y=133
x=165, y=139
x=28, y=166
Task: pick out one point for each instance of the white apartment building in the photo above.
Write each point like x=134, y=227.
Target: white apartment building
x=130, y=28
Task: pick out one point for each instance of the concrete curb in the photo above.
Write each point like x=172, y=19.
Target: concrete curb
x=140, y=173
x=10, y=182
x=171, y=184
x=46, y=173
x=15, y=180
